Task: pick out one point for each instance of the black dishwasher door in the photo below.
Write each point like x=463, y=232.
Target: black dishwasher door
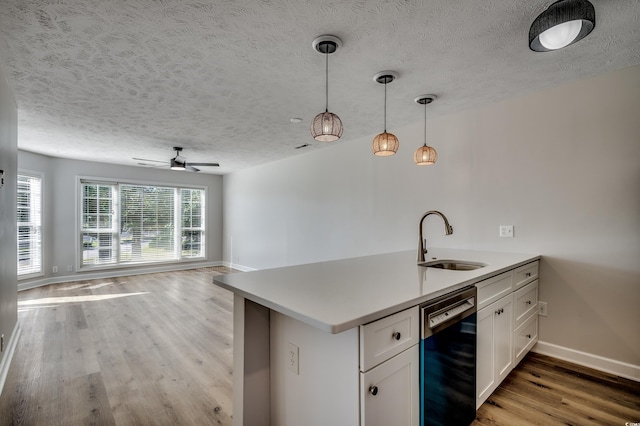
x=448, y=375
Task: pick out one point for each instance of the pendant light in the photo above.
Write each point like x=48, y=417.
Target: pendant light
x=385, y=143
x=326, y=126
x=425, y=155
x=563, y=23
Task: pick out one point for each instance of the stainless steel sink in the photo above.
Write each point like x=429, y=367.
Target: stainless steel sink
x=453, y=265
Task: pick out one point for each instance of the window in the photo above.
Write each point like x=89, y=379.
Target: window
x=29, y=214
x=123, y=223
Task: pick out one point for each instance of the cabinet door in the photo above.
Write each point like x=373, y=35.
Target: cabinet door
x=503, y=338
x=390, y=393
x=494, y=358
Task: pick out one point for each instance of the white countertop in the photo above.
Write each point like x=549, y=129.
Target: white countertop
x=338, y=295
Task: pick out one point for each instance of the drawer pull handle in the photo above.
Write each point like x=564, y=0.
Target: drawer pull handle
x=528, y=336
x=396, y=335
x=528, y=274
x=373, y=390
x=528, y=302
x=500, y=311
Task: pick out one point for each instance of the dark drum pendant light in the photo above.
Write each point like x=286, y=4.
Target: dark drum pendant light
x=563, y=23
x=326, y=126
x=385, y=143
x=425, y=155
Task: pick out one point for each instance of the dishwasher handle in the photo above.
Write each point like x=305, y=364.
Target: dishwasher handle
x=439, y=314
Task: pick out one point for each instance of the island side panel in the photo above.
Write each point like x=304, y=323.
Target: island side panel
x=324, y=388
x=251, y=375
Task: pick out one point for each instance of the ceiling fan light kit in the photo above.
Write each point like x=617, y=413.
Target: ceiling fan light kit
x=176, y=163
x=326, y=126
x=385, y=144
x=563, y=23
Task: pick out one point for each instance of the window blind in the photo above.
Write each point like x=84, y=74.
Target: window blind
x=125, y=223
x=29, y=217
x=192, y=211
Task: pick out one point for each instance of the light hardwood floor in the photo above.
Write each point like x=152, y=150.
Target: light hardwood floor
x=157, y=350
x=137, y=350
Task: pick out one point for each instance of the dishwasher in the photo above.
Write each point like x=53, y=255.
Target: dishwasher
x=448, y=359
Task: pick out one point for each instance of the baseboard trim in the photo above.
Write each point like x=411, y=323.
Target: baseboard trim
x=5, y=362
x=114, y=273
x=238, y=267
x=607, y=365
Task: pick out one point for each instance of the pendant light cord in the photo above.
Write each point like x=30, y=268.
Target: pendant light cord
x=385, y=106
x=425, y=124
x=326, y=82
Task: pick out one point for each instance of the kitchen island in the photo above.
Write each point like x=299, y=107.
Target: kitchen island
x=297, y=330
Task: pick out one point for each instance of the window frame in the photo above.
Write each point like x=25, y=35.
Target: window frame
x=41, y=273
x=118, y=264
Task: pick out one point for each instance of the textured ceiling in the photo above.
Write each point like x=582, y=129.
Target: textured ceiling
x=109, y=80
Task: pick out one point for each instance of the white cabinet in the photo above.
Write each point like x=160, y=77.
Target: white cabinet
x=390, y=370
x=525, y=337
x=390, y=392
x=507, y=325
x=525, y=303
x=525, y=314
x=495, y=346
x=388, y=336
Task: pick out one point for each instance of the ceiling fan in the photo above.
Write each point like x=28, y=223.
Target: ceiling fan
x=178, y=163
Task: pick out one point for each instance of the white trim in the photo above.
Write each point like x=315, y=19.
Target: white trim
x=114, y=273
x=5, y=362
x=607, y=365
x=238, y=267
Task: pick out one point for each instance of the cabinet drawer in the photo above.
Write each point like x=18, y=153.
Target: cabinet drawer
x=494, y=288
x=526, y=302
x=382, y=339
x=525, y=337
x=525, y=274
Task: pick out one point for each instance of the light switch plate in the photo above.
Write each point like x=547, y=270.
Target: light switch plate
x=293, y=353
x=506, y=231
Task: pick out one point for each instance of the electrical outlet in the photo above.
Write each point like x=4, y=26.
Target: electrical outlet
x=506, y=231
x=55, y=269
x=542, y=309
x=69, y=268
x=293, y=353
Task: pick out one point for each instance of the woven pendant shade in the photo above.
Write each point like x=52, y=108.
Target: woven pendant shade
x=425, y=156
x=326, y=127
x=385, y=144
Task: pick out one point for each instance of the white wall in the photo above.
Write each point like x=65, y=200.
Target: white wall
x=60, y=218
x=8, y=232
x=562, y=166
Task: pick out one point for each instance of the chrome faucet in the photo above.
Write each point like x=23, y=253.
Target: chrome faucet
x=422, y=246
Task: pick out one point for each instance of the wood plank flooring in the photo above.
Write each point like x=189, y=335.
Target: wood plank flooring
x=547, y=391
x=139, y=350
x=157, y=350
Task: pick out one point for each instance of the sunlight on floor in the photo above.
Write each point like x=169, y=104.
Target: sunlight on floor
x=88, y=286
x=74, y=299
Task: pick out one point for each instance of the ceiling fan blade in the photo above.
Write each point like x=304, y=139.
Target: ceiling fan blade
x=205, y=164
x=146, y=159
x=190, y=168
x=153, y=166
